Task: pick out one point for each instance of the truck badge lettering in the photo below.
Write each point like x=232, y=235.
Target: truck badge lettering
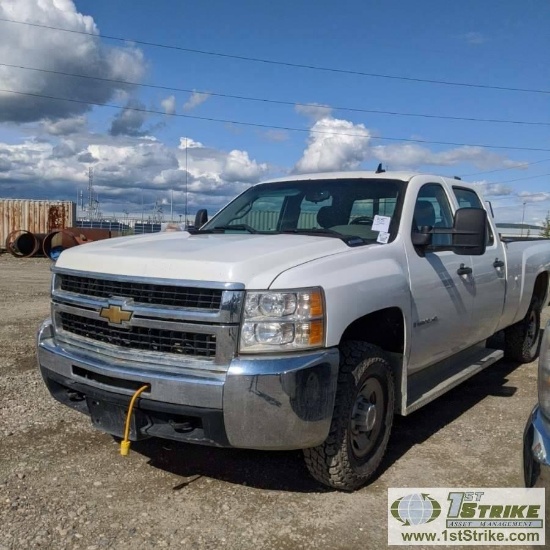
x=421, y=322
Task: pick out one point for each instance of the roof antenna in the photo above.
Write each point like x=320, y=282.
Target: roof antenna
x=379, y=170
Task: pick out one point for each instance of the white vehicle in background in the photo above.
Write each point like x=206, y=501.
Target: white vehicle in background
x=302, y=316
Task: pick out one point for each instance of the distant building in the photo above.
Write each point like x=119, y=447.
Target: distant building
x=519, y=230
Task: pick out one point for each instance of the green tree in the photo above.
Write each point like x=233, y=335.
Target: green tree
x=545, y=232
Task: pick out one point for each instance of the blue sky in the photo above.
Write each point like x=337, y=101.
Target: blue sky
x=140, y=157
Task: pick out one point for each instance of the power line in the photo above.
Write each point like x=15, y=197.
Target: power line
x=275, y=101
x=281, y=63
x=273, y=127
x=504, y=169
x=526, y=178
x=248, y=98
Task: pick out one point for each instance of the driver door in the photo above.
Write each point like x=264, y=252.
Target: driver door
x=442, y=294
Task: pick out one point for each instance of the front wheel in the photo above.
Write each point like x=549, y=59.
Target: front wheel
x=361, y=422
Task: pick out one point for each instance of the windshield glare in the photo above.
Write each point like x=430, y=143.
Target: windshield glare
x=345, y=207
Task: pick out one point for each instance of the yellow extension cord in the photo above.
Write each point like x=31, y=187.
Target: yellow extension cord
x=125, y=444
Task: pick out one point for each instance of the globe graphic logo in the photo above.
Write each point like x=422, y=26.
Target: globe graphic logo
x=415, y=509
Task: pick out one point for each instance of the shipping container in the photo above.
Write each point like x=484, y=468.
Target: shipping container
x=36, y=216
x=140, y=228
x=115, y=227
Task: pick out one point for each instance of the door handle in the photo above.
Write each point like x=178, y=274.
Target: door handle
x=498, y=263
x=463, y=270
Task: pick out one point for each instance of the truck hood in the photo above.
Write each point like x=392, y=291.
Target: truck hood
x=253, y=260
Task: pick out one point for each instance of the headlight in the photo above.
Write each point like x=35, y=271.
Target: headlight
x=544, y=373
x=285, y=320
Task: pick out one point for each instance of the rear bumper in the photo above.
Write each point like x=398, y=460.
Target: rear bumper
x=536, y=451
x=282, y=402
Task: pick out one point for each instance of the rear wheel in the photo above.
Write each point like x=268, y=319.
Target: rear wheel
x=362, y=420
x=522, y=340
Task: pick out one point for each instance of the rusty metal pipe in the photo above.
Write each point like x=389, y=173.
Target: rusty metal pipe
x=57, y=241
x=24, y=244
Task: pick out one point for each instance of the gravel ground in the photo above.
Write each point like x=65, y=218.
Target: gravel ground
x=64, y=485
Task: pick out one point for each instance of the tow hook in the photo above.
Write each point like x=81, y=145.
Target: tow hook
x=181, y=427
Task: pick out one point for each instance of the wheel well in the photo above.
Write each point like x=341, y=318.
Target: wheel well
x=384, y=328
x=541, y=288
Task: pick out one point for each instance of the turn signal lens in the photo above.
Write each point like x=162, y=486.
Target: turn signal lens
x=316, y=304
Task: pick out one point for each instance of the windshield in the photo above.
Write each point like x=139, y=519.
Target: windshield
x=342, y=208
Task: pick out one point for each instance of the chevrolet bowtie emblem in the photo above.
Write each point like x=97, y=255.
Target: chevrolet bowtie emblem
x=115, y=314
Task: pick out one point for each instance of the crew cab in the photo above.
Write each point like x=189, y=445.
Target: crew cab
x=303, y=315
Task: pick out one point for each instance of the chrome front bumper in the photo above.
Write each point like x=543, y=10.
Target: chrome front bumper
x=277, y=402
x=536, y=451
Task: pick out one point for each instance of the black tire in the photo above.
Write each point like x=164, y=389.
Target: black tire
x=522, y=340
x=361, y=422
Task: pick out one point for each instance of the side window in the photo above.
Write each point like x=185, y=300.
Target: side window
x=432, y=209
x=468, y=199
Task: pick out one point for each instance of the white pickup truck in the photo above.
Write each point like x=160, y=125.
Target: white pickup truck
x=302, y=316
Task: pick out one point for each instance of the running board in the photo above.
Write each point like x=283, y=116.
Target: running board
x=434, y=381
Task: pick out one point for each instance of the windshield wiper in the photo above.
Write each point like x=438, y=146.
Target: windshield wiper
x=350, y=240
x=237, y=227
x=314, y=231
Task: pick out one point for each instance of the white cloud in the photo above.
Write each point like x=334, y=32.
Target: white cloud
x=488, y=189
x=526, y=196
x=195, y=99
x=189, y=143
x=126, y=169
x=172, y=177
x=412, y=155
x=334, y=145
x=58, y=51
x=65, y=126
x=239, y=168
x=314, y=111
x=169, y=105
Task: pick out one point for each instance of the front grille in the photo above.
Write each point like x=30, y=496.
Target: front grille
x=144, y=293
x=141, y=338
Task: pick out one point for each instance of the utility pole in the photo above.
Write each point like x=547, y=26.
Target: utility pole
x=90, y=192
x=93, y=200
x=186, y=182
x=523, y=217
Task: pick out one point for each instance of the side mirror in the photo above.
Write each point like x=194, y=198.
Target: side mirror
x=470, y=231
x=422, y=237
x=201, y=217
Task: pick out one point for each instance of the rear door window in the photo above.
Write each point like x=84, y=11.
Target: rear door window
x=467, y=198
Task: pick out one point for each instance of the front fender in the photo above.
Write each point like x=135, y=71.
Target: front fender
x=361, y=281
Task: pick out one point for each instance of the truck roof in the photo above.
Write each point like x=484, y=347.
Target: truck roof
x=397, y=175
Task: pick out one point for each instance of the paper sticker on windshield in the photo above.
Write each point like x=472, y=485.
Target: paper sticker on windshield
x=381, y=223
x=383, y=237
